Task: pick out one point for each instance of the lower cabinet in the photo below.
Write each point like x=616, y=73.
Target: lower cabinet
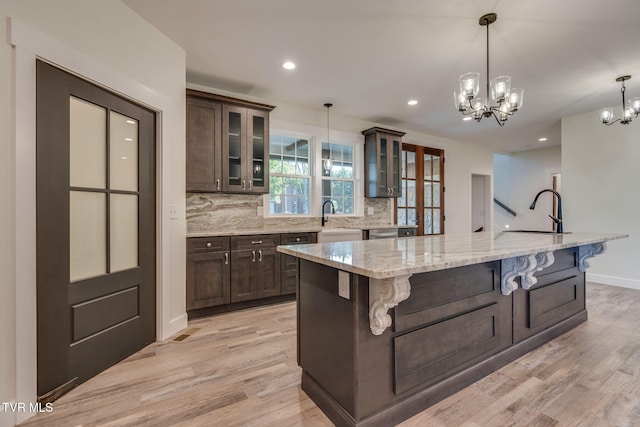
x=223, y=271
x=289, y=264
x=208, y=272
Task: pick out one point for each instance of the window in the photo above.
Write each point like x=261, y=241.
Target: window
x=338, y=178
x=290, y=175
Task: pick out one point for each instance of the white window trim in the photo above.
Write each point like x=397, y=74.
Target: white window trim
x=358, y=198
x=312, y=168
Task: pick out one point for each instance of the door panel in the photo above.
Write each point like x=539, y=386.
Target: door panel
x=95, y=228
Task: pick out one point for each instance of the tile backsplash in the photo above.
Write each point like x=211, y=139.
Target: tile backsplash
x=213, y=212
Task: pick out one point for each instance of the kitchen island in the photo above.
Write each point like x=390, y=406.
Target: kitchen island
x=386, y=328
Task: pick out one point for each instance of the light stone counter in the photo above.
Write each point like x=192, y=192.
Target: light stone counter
x=385, y=258
x=389, y=263
x=280, y=228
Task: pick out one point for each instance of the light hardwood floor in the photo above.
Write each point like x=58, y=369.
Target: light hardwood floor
x=239, y=369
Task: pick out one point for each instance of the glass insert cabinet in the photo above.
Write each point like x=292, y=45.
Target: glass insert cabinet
x=382, y=148
x=227, y=144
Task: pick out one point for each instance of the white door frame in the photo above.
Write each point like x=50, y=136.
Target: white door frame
x=29, y=44
x=488, y=192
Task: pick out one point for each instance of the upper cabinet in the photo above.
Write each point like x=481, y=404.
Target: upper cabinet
x=383, y=149
x=227, y=144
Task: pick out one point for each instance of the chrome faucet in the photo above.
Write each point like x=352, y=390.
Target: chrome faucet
x=558, y=220
x=333, y=210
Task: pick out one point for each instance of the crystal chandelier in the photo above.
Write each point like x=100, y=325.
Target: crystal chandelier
x=507, y=100
x=629, y=112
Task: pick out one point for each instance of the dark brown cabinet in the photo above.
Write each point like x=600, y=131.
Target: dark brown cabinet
x=208, y=272
x=245, y=150
x=406, y=231
x=383, y=150
x=255, y=271
x=204, y=145
x=227, y=144
x=289, y=264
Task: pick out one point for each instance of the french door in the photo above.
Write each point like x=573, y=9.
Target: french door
x=95, y=193
x=422, y=201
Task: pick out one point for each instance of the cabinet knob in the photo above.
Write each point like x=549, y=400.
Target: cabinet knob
x=297, y=239
x=208, y=244
x=406, y=233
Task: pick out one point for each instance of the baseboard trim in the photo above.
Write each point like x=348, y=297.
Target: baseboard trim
x=621, y=282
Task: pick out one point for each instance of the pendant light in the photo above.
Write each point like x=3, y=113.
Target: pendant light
x=326, y=162
x=629, y=111
x=508, y=100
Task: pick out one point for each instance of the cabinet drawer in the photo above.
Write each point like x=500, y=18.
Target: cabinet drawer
x=406, y=232
x=293, y=238
x=255, y=241
x=207, y=244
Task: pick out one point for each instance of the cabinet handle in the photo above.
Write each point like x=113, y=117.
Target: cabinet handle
x=226, y=258
x=218, y=184
x=244, y=184
x=208, y=244
x=392, y=191
x=256, y=242
x=253, y=256
x=260, y=256
x=250, y=185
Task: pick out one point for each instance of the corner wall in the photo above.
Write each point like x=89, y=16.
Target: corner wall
x=600, y=178
x=108, y=43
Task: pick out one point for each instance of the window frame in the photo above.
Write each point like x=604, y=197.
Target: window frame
x=358, y=197
x=311, y=176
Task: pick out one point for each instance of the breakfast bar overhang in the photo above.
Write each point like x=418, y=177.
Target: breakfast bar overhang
x=387, y=328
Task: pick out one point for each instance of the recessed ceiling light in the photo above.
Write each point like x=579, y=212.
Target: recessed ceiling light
x=466, y=119
x=288, y=65
x=542, y=139
x=412, y=102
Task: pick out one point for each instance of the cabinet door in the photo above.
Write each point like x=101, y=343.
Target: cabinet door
x=395, y=150
x=208, y=276
x=234, y=152
x=257, y=166
x=243, y=273
x=204, y=147
x=383, y=144
x=266, y=269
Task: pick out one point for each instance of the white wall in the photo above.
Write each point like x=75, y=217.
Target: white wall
x=518, y=178
x=600, y=178
x=109, y=43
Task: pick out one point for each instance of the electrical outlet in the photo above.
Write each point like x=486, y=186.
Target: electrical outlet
x=173, y=212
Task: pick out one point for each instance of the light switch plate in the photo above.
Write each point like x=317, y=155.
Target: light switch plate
x=343, y=285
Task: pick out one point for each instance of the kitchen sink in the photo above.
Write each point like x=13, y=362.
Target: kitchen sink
x=339, y=235
x=535, y=231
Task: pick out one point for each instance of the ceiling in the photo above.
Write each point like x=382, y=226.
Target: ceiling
x=369, y=57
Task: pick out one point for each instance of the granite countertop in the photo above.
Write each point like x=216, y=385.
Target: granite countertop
x=386, y=258
x=284, y=229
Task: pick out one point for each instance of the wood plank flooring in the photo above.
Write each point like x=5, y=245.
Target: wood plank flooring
x=239, y=369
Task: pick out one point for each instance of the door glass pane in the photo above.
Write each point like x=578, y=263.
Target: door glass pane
x=411, y=216
x=402, y=200
x=123, y=156
x=436, y=168
x=87, y=144
x=436, y=194
x=123, y=231
x=427, y=194
x=395, y=165
x=411, y=164
x=427, y=167
x=402, y=216
x=428, y=219
x=411, y=193
x=436, y=221
x=87, y=238
x=235, y=147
